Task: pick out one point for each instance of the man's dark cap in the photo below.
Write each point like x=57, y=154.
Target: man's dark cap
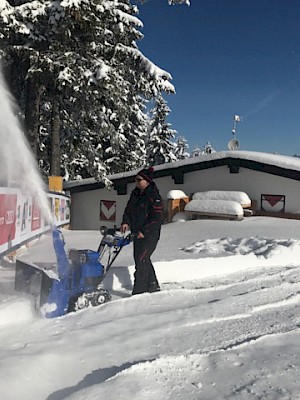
x=147, y=174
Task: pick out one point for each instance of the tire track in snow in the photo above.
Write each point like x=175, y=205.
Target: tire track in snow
x=272, y=296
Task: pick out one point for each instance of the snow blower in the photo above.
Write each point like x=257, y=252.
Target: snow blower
x=77, y=282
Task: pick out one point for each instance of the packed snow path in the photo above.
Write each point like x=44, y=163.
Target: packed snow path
x=225, y=326
x=231, y=337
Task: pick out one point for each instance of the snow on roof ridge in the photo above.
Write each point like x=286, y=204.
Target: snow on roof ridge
x=282, y=161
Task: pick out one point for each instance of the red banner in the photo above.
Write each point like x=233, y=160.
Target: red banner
x=8, y=206
x=36, y=219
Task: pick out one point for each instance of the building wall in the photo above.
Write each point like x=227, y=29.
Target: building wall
x=86, y=205
x=254, y=183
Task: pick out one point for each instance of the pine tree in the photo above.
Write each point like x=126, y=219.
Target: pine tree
x=86, y=81
x=208, y=149
x=181, y=148
x=196, y=151
x=160, y=149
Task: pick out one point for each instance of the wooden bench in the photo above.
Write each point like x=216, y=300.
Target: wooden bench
x=201, y=214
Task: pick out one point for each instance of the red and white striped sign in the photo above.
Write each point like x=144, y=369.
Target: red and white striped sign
x=273, y=202
x=108, y=210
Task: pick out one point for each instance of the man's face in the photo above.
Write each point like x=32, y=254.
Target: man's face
x=141, y=183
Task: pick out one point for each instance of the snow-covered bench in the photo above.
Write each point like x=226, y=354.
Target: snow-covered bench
x=227, y=209
x=240, y=197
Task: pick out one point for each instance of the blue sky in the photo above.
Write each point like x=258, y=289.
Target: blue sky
x=230, y=57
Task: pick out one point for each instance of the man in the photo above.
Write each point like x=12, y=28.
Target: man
x=143, y=216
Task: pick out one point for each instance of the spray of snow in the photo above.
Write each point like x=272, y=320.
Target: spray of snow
x=18, y=167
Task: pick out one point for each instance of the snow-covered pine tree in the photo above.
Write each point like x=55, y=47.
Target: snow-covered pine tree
x=208, y=149
x=160, y=149
x=88, y=81
x=130, y=78
x=196, y=151
x=125, y=149
x=99, y=107
x=181, y=148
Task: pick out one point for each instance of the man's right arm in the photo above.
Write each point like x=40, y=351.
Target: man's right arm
x=126, y=216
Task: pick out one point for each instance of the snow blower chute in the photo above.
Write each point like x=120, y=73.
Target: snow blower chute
x=77, y=283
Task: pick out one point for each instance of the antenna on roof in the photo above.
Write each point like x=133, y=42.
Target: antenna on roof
x=234, y=144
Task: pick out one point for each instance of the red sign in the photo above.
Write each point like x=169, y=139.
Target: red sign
x=273, y=202
x=8, y=208
x=62, y=209
x=107, y=210
x=36, y=217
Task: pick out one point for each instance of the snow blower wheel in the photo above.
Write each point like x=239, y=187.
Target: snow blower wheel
x=101, y=297
x=81, y=303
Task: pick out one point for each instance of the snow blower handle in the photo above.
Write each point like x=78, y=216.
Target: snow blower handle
x=130, y=236
x=125, y=239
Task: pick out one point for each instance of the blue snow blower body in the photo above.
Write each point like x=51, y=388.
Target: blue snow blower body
x=78, y=283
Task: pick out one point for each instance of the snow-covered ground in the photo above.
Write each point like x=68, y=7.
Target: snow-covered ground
x=226, y=324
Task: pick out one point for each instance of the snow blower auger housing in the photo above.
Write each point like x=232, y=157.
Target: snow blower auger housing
x=78, y=281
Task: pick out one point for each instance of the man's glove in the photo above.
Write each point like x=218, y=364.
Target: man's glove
x=124, y=228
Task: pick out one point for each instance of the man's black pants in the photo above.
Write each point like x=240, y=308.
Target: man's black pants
x=144, y=277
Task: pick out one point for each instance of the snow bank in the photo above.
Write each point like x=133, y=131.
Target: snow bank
x=240, y=197
x=261, y=247
x=180, y=217
x=15, y=310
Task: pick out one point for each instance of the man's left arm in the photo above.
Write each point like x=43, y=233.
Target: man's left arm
x=155, y=215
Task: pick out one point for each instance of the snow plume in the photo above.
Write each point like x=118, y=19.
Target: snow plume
x=18, y=167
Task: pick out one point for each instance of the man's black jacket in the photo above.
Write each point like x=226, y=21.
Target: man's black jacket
x=144, y=211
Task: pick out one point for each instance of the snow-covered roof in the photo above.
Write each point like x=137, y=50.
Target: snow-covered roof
x=277, y=160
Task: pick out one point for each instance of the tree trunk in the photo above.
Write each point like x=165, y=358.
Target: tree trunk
x=55, y=139
x=32, y=114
